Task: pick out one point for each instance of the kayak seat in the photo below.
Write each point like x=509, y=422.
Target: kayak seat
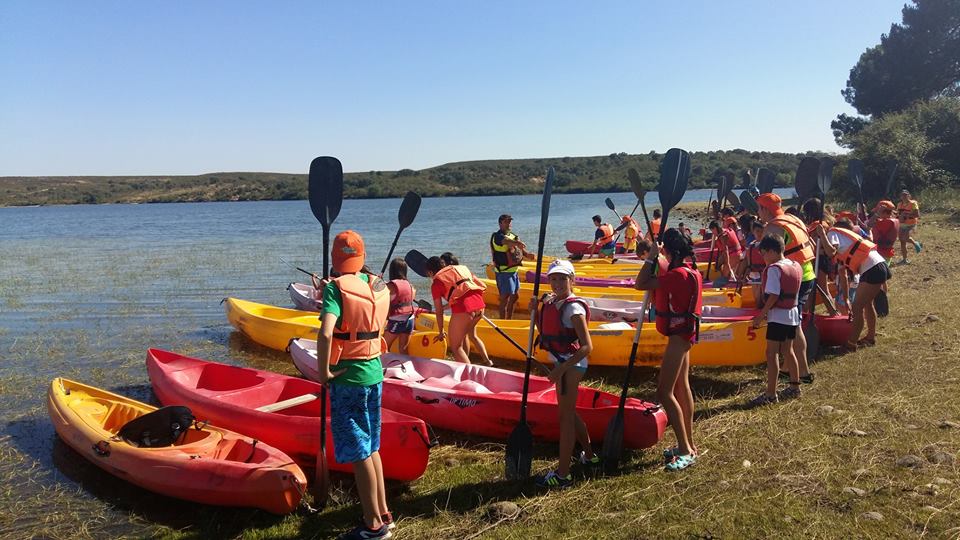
x=405, y=372
x=220, y=377
x=472, y=386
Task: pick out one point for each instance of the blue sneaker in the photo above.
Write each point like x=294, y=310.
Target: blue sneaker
x=361, y=532
x=554, y=480
x=917, y=246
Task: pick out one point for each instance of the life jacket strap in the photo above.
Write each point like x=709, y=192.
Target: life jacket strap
x=359, y=336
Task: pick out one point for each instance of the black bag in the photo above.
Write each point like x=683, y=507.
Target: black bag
x=162, y=427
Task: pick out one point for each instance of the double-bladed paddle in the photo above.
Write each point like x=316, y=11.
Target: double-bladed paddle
x=674, y=173
x=892, y=166
x=749, y=202
x=766, y=180
x=295, y=267
x=724, y=186
x=855, y=173
x=326, y=196
x=408, y=212
x=609, y=202
x=810, y=332
x=519, y=454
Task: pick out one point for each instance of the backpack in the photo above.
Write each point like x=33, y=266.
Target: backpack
x=162, y=427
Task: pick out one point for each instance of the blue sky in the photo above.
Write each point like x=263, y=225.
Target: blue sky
x=121, y=88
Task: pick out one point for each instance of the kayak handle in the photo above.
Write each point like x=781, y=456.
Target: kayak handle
x=102, y=449
x=431, y=439
x=426, y=401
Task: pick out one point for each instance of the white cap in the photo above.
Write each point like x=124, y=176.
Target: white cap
x=560, y=266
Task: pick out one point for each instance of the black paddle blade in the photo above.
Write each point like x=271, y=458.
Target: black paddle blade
x=892, y=166
x=610, y=205
x=825, y=176
x=417, y=262
x=765, y=180
x=636, y=184
x=326, y=189
x=813, y=339
x=519, y=453
x=408, y=209
x=855, y=172
x=721, y=187
x=613, y=444
x=882, y=304
x=732, y=199
x=749, y=202
x=805, y=182
x=674, y=172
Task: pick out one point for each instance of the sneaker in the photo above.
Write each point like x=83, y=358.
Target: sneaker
x=554, y=480
x=904, y=261
x=807, y=379
x=917, y=246
x=589, y=462
x=761, y=400
x=387, y=520
x=361, y=532
x=791, y=392
x=785, y=377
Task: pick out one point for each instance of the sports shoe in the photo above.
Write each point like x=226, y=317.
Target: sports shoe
x=554, y=480
x=904, y=261
x=917, y=246
x=761, y=400
x=785, y=377
x=361, y=532
x=589, y=462
x=791, y=392
x=387, y=520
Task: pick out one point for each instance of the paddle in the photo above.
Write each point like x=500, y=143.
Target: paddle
x=855, y=173
x=408, y=212
x=674, y=173
x=295, y=267
x=892, y=166
x=519, y=454
x=722, y=188
x=326, y=197
x=881, y=303
x=765, y=180
x=637, y=186
x=731, y=199
x=749, y=202
x=805, y=182
x=610, y=205
x=513, y=342
x=811, y=333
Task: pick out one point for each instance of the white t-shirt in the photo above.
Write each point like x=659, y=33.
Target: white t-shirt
x=567, y=312
x=842, y=243
x=789, y=317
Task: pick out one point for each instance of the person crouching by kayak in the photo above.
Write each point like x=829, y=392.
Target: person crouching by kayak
x=402, y=307
x=602, y=238
x=456, y=285
x=781, y=288
x=352, y=320
x=859, y=256
x=728, y=253
x=562, y=325
x=679, y=300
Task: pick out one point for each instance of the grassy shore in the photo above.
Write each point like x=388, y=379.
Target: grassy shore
x=832, y=464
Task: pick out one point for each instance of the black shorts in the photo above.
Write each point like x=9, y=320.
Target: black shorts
x=878, y=275
x=826, y=265
x=780, y=332
x=804, y=294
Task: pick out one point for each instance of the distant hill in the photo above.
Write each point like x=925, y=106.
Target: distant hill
x=494, y=177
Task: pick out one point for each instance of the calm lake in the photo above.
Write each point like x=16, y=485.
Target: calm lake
x=85, y=290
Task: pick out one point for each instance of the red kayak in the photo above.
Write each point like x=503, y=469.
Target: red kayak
x=486, y=401
x=228, y=396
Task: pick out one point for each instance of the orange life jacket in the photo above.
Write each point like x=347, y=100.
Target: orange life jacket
x=790, y=276
x=363, y=315
x=554, y=336
x=607, y=237
x=800, y=248
x=908, y=208
x=654, y=229
x=457, y=280
x=854, y=256
x=402, y=301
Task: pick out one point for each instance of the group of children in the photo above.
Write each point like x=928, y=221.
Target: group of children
x=776, y=248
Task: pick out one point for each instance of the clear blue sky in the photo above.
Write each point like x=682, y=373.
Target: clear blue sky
x=177, y=87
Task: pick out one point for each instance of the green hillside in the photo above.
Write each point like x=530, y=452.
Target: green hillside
x=495, y=177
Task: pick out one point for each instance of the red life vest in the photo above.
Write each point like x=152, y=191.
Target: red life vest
x=885, y=233
x=457, y=280
x=790, y=276
x=729, y=239
x=690, y=307
x=554, y=336
x=755, y=258
x=401, y=301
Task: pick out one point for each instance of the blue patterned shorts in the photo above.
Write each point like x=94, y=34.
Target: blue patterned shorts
x=355, y=421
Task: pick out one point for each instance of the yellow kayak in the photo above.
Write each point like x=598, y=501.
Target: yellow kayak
x=711, y=297
x=621, y=269
x=721, y=344
x=271, y=326
x=208, y=465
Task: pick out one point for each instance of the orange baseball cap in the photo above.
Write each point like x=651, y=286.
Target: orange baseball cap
x=884, y=204
x=347, y=252
x=770, y=201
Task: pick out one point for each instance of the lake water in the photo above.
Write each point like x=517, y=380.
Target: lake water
x=85, y=290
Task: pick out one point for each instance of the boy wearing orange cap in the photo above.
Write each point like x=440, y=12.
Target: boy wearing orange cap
x=350, y=342
x=799, y=249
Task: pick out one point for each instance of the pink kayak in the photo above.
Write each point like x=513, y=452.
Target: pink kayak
x=578, y=247
x=486, y=401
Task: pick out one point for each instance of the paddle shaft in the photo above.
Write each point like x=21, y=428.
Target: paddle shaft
x=512, y=341
x=544, y=215
x=617, y=239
